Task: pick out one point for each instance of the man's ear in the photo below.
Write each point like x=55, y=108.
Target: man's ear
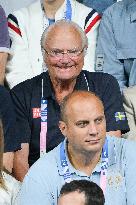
x=63, y=128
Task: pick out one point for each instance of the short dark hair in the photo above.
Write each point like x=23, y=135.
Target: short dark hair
x=93, y=193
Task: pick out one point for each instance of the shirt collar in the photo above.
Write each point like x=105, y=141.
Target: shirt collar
x=72, y=170
x=48, y=87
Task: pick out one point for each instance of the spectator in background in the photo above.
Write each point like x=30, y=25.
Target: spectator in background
x=116, y=43
x=11, y=138
x=26, y=27
x=64, y=45
x=9, y=187
x=86, y=153
x=4, y=44
x=81, y=192
x=129, y=99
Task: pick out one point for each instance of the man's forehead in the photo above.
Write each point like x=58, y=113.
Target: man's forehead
x=59, y=33
x=84, y=109
x=88, y=100
x=72, y=198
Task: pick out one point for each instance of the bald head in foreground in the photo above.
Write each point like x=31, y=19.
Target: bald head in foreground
x=85, y=154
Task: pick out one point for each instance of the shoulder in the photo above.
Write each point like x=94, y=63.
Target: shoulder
x=114, y=11
x=88, y=15
x=125, y=149
x=28, y=85
x=130, y=92
x=99, y=77
x=34, y=6
x=48, y=162
x=24, y=14
x=82, y=6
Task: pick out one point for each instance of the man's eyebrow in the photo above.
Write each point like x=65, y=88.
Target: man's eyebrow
x=99, y=118
x=80, y=121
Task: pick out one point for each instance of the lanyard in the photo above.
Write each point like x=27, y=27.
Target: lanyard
x=104, y=165
x=68, y=12
x=43, y=124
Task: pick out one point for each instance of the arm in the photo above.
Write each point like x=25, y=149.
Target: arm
x=42, y=183
x=18, y=66
x=106, y=52
x=3, y=61
x=129, y=100
x=21, y=166
x=116, y=120
x=35, y=192
x=91, y=29
x=4, y=44
x=129, y=171
x=8, y=161
x=11, y=141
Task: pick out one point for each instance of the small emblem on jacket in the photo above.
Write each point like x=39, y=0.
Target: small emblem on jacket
x=119, y=116
x=115, y=181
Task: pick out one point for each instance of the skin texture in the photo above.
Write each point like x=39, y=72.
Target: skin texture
x=85, y=129
x=65, y=68
x=73, y=198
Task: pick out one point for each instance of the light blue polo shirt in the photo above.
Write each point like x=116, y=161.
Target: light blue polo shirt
x=44, y=180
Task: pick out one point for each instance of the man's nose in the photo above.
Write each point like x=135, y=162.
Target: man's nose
x=65, y=57
x=93, y=128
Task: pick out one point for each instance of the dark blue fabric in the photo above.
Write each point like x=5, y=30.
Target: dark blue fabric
x=7, y=115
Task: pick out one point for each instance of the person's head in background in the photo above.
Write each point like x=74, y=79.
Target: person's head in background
x=81, y=192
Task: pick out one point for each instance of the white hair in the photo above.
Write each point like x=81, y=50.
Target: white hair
x=62, y=23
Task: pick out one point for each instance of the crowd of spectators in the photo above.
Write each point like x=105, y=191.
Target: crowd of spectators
x=67, y=102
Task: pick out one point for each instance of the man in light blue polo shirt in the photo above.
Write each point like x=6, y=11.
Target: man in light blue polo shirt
x=87, y=154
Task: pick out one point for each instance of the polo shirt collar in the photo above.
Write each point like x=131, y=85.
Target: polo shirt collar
x=72, y=170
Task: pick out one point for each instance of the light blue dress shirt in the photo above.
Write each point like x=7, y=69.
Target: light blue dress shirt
x=116, y=47
x=44, y=180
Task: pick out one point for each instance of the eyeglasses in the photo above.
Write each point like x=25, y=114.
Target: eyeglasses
x=57, y=53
